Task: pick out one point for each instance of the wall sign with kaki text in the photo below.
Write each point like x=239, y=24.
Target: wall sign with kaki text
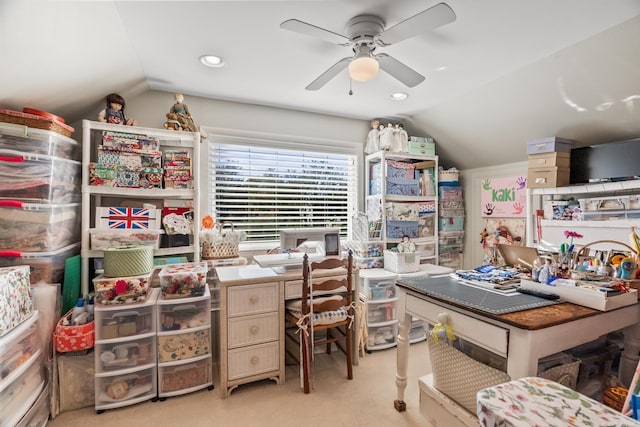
x=503, y=197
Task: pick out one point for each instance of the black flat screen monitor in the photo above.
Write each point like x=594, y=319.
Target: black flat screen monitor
x=615, y=161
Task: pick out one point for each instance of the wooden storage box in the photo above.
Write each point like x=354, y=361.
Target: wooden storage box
x=545, y=160
x=549, y=145
x=547, y=177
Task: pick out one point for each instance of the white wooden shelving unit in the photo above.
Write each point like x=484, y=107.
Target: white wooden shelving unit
x=92, y=196
x=592, y=230
x=377, y=197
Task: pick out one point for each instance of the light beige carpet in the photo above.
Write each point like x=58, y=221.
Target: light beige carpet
x=367, y=400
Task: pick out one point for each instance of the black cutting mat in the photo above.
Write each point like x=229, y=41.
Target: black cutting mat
x=449, y=289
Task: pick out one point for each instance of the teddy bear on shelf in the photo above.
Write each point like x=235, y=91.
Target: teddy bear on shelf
x=172, y=122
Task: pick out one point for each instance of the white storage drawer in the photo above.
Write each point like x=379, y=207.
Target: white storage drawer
x=19, y=392
x=184, y=345
x=125, y=355
x=38, y=415
x=18, y=345
x=124, y=322
x=253, y=329
x=184, y=377
x=253, y=360
x=485, y=335
x=118, y=390
x=376, y=289
x=252, y=299
x=378, y=312
x=382, y=336
x=175, y=315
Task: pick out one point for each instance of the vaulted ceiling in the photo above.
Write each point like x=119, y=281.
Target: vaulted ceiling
x=504, y=72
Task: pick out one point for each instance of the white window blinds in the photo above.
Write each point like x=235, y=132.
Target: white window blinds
x=263, y=189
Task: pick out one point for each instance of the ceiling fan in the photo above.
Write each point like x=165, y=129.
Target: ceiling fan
x=365, y=33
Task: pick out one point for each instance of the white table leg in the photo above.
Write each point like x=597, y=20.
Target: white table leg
x=402, y=361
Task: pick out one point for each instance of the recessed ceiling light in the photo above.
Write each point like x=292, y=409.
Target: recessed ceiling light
x=212, y=61
x=399, y=96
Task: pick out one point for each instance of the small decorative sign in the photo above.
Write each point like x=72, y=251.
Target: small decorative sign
x=503, y=197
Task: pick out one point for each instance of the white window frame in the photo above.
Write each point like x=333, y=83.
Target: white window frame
x=281, y=142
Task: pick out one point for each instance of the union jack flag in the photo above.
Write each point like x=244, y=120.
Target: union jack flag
x=129, y=218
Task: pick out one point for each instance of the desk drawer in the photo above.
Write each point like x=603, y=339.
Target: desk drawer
x=252, y=299
x=486, y=335
x=253, y=360
x=255, y=329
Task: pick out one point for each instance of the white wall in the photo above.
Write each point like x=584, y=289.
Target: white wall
x=471, y=180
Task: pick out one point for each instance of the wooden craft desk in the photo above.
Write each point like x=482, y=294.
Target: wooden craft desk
x=521, y=337
x=252, y=304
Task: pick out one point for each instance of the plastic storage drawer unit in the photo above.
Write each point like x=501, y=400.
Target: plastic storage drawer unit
x=125, y=354
x=116, y=322
x=45, y=179
x=117, y=390
x=180, y=379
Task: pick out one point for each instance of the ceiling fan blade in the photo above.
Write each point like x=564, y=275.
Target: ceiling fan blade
x=298, y=26
x=398, y=70
x=333, y=71
x=434, y=17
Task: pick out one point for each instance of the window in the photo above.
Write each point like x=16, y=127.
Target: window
x=263, y=186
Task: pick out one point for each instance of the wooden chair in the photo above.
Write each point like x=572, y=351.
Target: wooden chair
x=327, y=307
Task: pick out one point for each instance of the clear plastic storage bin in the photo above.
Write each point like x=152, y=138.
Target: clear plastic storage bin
x=38, y=141
x=45, y=266
x=37, y=177
x=33, y=227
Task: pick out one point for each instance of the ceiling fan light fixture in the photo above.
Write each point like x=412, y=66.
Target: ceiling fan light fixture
x=212, y=61
x=363, y=68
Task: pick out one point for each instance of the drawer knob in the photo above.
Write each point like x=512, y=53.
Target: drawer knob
x=254, y=330
x=253, y=299
x=255, y=360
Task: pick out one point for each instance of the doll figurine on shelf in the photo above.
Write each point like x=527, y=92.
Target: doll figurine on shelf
x=181, y=111
x=373, y=138
x=184, y=115
x=406, y=245
x=114, y=111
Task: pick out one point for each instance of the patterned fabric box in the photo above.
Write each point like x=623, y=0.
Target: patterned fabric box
x=451, y=223
x=128, y=218
x=15, y=297
x=128, y=141
x=110, y=158
x=183, y=346
x=102, y=176
x=399, y=211
x=403, y=187
x=121, y=290
x=398, y=229
x=396, y=169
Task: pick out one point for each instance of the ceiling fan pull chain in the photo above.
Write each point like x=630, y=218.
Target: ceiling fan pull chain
x=350, y=90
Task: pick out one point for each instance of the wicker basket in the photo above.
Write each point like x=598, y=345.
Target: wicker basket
x=459, y=376
x=584, y=253
x=225, y=244
x=401, y=262
x=34, y=121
